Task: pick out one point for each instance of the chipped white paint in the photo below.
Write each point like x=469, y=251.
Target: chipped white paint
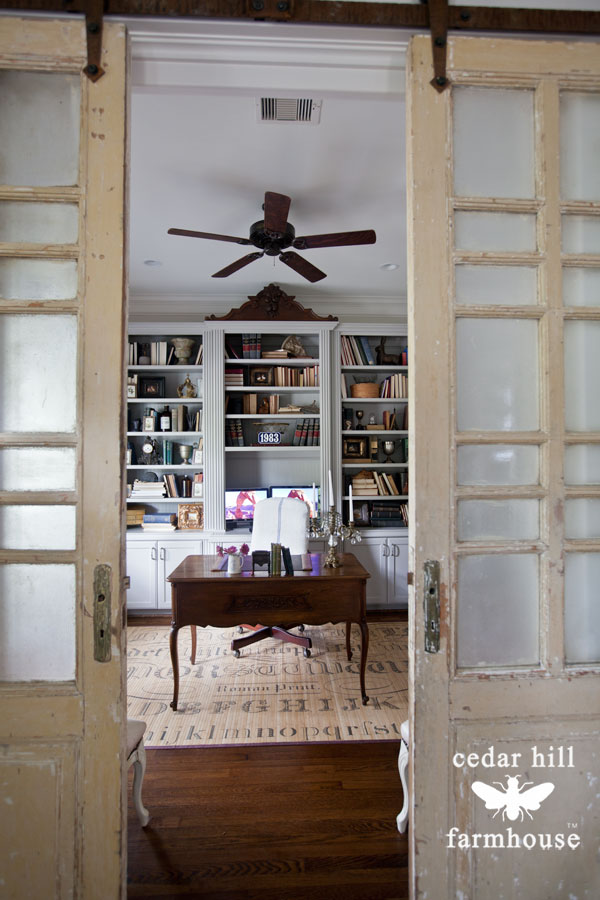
x=453, y=710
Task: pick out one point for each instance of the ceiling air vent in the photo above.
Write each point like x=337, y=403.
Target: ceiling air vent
x=285, y=109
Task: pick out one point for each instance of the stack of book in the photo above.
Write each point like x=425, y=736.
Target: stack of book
x=147, y=490
x=275, y=354
x=160, y=522
x=135, y=516
x=364, y=484
x=234, y=377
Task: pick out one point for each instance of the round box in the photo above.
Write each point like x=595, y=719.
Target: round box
x=364, y=389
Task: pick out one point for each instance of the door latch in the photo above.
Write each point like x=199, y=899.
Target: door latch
x=431, y=605
x=102, y=598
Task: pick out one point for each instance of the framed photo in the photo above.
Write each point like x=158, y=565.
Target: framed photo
x=149, y=423
x=152, y=387
x=131, y=390
x=354, y=448
x=190, y=515
x=197, y=489
x=197, y=456
x=361, y=513
x=261, y=376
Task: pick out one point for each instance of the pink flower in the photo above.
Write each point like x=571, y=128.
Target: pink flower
x=244, y=550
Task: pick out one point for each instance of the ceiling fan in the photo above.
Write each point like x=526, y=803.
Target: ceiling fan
x=274, y=234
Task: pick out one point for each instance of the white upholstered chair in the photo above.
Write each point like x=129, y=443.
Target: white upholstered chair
x=402, y=817
x=136, y=757
x=278, y=520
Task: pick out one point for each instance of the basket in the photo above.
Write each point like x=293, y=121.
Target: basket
x=364, y=389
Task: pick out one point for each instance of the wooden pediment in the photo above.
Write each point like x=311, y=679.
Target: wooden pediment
x=271, y=304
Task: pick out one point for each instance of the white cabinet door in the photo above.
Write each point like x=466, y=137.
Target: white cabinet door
x=142, y=572
x=397, y=571
x=372, y=553
x=170, y=554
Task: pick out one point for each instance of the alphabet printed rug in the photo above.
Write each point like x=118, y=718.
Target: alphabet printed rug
x=272, y=693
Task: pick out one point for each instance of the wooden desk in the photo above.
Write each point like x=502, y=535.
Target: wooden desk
x=202, y=596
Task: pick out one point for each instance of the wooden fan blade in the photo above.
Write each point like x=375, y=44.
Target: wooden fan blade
x=207, y=234
x=238, y=264
x=276, y=209
x=341, y=239
x=302, y=266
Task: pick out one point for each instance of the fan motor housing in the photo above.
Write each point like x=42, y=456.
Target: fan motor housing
x=270, y=242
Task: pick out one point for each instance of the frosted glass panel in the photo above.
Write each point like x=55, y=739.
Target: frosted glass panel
x=35, y=223
x=581, y=287
x=582, y=518
x=497, y=610
x=497, y=374
x=581, y=234
x=582, y=607
x=579, y=146
x=497, y=464
x=582, y=375
x=493, y=231
x=38, y=279
x=37, y=527
x=39, y=123
x=496, y=285
x=37, y=469
x=37, y=622
x=496, y=160
x=38, y=373
x=498, y=520
x=582, y=464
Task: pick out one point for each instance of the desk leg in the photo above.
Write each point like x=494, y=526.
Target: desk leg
x=348, y=634
x=174, y=663
x=364, y=649
x=193, y=653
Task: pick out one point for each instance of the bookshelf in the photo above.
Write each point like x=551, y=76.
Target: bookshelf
x=373, y=424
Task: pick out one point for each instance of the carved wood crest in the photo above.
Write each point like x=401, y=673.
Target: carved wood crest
x=272, y=304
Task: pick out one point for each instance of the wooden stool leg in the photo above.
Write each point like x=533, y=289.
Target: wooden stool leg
x=139, y=769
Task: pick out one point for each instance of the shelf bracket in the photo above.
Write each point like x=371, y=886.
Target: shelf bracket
x=94, y=12
x=438, y=23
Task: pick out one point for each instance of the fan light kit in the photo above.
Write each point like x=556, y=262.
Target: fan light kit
x=274, y=234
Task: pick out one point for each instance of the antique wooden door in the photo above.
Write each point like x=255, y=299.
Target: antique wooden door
x=61, y=362
x=504, y=311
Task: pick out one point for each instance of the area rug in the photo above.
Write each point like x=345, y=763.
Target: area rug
x=272, y=693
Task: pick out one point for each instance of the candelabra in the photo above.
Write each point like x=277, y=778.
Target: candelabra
x=331, y=527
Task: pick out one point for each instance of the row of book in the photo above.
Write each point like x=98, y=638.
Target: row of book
x=251, y=346
x=279, y=552
x=389, y=515
x=307, y=433
x=305, y=376
x=367, y=483
x=357, y=351
x=184, y=486
x=266, y=405
x=234, y=433
x=395, y=385
x=157, y=353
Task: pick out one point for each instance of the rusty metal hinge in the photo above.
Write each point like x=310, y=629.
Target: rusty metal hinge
x=438, y=23
x=102, y=612
x=431, y=605
x=94, y=12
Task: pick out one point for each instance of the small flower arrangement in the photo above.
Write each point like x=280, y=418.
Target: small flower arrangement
x=244, y=550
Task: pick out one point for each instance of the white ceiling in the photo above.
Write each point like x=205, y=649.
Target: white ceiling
x=201, y=160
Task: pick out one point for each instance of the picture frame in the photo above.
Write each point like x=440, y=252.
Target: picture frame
x=354, y=448
x=131, y=390
x=190, y=516
x=197, y=489
x=153, y=386
x=361, y=514
x=261, y=376
x=197, y=456
x=149, y=423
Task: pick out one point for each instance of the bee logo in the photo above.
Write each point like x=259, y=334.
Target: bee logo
x=513, y=800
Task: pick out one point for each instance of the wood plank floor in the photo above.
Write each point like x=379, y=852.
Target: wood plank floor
x=312, y=820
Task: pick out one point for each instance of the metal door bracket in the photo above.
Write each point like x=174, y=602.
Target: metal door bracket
x=438, y=23
x=102, y=602
x=431, y=605
x=94, y=11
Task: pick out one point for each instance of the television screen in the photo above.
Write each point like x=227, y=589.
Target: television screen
x=239, y=505
x=302, y=493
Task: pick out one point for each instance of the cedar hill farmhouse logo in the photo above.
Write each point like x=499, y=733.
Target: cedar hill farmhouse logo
x=514, y=800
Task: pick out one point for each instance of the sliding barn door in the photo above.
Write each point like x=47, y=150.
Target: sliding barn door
x=61, y=364
x=504, y=217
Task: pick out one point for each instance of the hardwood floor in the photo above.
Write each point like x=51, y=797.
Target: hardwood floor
x=312, y=820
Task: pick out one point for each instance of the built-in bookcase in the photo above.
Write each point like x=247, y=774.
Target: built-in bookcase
x=373, y=424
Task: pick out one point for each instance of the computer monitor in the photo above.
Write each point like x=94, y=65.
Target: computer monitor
x=301, y=493
x=239, y=505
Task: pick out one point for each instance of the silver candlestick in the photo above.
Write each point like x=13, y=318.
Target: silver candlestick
x=331, y=527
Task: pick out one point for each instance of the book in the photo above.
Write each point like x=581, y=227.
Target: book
x=275, y=559
x=366, y=348
x=297, y=433
x=287, y=560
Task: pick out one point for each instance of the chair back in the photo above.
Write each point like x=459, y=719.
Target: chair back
x=280, y=520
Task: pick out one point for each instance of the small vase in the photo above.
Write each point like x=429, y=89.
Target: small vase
x=234, y=563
